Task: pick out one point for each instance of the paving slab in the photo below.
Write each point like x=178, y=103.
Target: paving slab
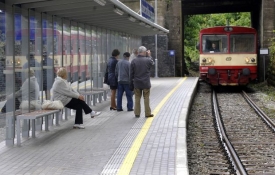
x=101, y=147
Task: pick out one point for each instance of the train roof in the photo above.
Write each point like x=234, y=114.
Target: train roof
x=233, y=29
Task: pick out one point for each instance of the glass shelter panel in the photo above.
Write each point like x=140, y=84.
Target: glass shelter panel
x=81, y=56
x=10, y=82
x=58, y=47
x=116, y=40
x=88, y=57
x=94, y=57
x=67, y=52
x=47, y=54
x=100, y=57
x=104, y=56
x=120, y=44
x=113, y=42
x=35, y=55
x=214, y=44
x=75, y=55
x=127, y=45
x=109, y=45
x=97, y=58
x=242, y=43
x=7, y=63
x=23, y=60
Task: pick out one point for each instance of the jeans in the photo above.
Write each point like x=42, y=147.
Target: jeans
x=129, y=94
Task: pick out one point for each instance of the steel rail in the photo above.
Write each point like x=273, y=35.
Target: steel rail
x=227, y=144
x=268, y=121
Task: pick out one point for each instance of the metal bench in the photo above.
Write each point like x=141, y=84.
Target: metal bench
x=94, y=95
x=32, y=116
x=105, y=92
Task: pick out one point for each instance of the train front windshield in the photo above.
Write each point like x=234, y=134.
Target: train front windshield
x=239, y=43
x=242, y=43
x=214, y=43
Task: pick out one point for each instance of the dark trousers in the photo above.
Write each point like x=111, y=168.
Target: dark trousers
x=78, y=105
x=9, y=104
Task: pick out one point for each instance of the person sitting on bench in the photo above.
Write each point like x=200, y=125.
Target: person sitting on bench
x=24, y=94
x=70, y=98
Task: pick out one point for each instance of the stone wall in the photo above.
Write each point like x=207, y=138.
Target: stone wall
x=166, y=63
x=266, y=33
x=173, y=21
x=169, y=17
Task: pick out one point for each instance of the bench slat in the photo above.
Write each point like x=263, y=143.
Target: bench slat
x=32, y=116
x=36, y=114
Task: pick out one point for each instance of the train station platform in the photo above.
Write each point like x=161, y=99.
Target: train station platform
x=114, y=142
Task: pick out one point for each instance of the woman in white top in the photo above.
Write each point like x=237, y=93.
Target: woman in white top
x=70, y=98
x=24, y=94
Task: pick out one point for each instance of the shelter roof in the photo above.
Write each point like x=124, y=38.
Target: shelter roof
x=100, y=13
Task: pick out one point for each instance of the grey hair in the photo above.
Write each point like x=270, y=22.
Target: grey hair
x=142, y=49
x=31, y=73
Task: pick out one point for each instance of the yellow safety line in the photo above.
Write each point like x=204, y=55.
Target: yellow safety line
x=132, y=153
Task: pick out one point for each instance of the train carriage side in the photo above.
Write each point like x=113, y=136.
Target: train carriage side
x=228, y=55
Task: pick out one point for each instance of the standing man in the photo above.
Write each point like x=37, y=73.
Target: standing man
x=122, y=73
x=140, y=80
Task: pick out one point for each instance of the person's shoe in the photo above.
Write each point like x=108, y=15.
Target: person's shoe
x=137, y=116
x=111, y=108
x=78, y=126
x=94, y=113
x=151, y=115
x=118, y=110
x=130, y=110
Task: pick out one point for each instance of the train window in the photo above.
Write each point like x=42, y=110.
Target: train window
x=240, y=43
x=214, y=43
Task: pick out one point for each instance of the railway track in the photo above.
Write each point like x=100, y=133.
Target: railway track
x=246, y=132
x=206, y=154
x=235, y=141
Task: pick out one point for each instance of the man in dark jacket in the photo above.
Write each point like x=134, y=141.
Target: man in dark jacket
x=122, y=73
x=140, y=80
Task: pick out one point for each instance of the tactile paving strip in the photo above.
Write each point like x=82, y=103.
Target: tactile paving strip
x=114, y=163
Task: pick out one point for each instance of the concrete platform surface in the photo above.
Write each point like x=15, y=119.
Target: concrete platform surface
x=114, y=142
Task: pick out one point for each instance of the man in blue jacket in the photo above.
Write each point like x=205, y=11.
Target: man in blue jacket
x=122, y=73
x=140, y=80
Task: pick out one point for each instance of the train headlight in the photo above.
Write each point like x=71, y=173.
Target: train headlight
x=204, y=60
x=17, y=62
x=253, y=60
x=247, y=60
x=211, y=60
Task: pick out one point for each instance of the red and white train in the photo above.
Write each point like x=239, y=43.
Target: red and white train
x=228, y=55
x=71, y=49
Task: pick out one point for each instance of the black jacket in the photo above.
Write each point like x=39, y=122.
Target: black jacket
x=112, y=80
x=140, y=72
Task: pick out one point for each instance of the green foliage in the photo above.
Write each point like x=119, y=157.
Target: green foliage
x=194, y=23
x=271, y=67
x=272, y=52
